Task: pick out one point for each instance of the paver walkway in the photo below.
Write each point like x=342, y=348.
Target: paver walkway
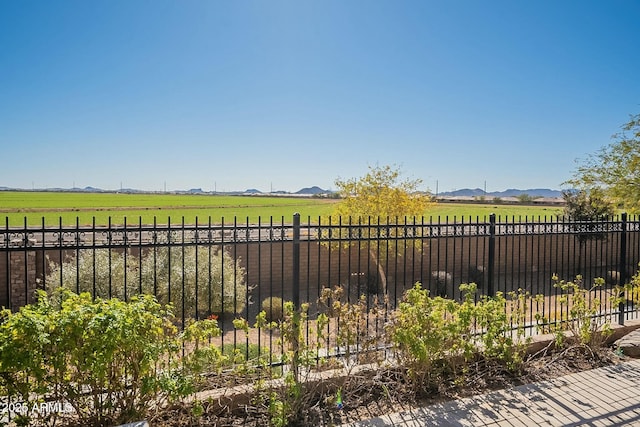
x=608, y=396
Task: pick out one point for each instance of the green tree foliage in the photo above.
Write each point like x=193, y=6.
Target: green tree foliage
x=588, y=211
x=588, y=207
x=525, y=198
x=615, y=169
x=583, y=205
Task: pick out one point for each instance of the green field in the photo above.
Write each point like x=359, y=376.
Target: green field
x=54, y=208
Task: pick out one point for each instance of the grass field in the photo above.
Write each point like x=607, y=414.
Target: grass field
x=54, y=208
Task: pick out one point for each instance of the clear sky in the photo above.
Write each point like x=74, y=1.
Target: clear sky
x=232, y=95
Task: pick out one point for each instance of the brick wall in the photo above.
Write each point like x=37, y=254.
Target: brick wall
x=21, y=274
x=526, y=261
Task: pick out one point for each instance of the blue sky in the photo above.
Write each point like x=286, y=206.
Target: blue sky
x=231, y=95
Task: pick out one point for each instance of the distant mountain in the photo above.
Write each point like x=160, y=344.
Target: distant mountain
x=315, y=190
x=304, y=191
x=512, y=192
x=465, y=192
x=311, y=190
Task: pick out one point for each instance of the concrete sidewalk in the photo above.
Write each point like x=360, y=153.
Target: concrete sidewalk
x=608, y=396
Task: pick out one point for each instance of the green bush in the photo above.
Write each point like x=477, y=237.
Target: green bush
x=273, y=308
x=437, y=338
x=500, y=325
x=428, y=337
x=109, y=361
x=579, y=322
x=173, y=275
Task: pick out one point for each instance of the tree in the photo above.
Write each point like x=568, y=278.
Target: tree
x=381, y=194
x=587, y=210
x=585, y=205
x=382, y=201
x=615, y=169
x=525, y=198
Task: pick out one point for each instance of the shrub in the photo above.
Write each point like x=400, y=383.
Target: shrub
x=197, y=280
x=500, y=322
x=273, y=308
x=437, y=338
x=110, y=361
x=353, y=326
x=101, y=272
x=287, y=400
x=242, y=353
x=217, y=277
x=426, y=337
x=579, y=318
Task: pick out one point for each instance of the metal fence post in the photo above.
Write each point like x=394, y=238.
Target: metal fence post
x=492, y=254
x=622, y=266
x=295, y=363
x=296, y=260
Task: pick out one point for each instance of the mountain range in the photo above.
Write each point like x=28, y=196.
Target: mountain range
x=315, y=190
x=512, y=192
x=303, y=192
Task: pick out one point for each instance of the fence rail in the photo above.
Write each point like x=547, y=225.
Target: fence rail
x=228, y=269
x=126, y=235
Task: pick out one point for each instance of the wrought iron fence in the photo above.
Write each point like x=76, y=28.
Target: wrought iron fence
x=232, y=269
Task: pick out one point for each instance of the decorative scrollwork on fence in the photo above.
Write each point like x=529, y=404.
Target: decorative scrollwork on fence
x=433, y=231
x=80, y=238
x=64, y=238
x=115, y=236
x=18, y=239
x=278, y=233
